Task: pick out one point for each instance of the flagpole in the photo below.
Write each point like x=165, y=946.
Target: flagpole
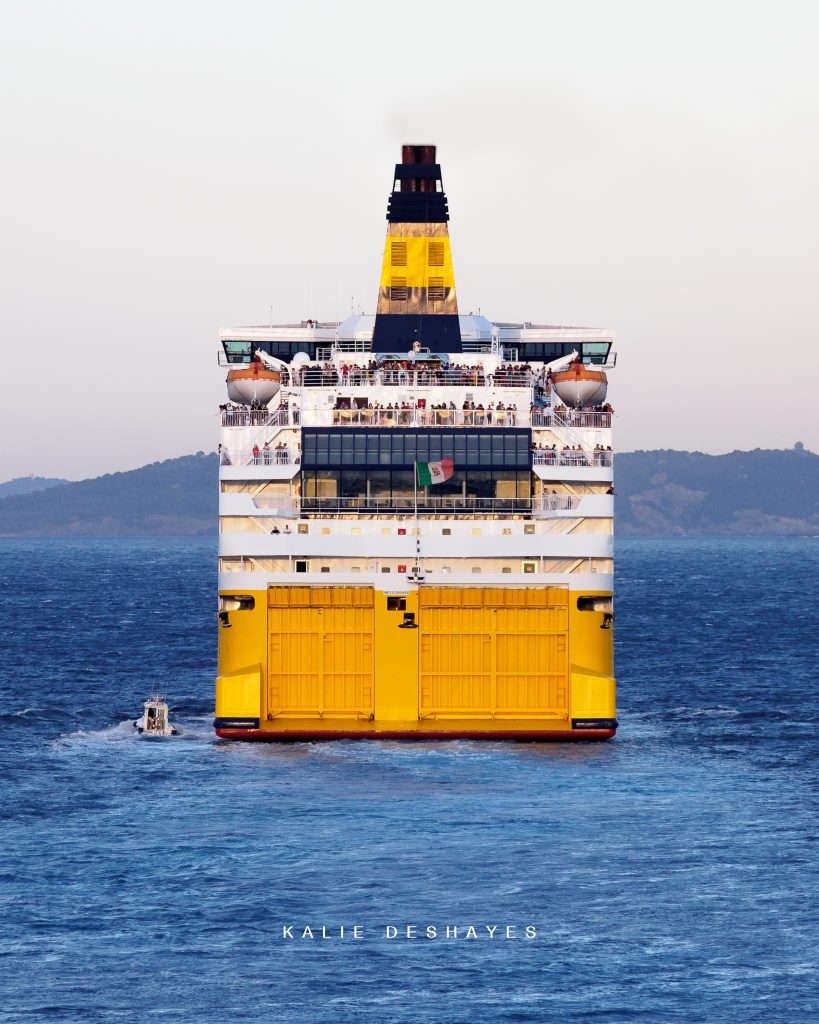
x=415, y=496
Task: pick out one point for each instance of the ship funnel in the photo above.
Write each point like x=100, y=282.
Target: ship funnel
x=416, y=297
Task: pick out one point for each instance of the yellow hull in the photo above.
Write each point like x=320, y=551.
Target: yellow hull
x=318, y=662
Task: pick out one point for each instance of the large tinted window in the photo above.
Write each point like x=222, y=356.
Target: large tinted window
x=346, y=447
x=545, y=352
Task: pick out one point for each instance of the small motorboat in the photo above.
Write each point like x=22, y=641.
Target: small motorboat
x=154, y=721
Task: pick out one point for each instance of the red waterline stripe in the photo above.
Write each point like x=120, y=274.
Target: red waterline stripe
x=302, y=736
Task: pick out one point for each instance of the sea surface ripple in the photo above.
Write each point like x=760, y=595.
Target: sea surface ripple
x=670, y=875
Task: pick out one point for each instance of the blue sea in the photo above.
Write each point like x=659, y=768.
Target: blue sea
x=668, y=875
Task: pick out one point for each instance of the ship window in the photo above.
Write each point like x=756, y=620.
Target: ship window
x=506, y=569
x=596, y=348
x=529, y=528
x=507, y=532
x=356, y=568
x=325, y=568
x=353, y=483
x=445, y=569
x=476, y=568
x=325, y=529
x=327, y=448
x=446, y=531
x=356, y=531
x=479, y=484
x=379, y=484
x=436, y=253
x=327, y=483
x=304, y=527
x=402, y=484
x=528, y=567
x=399, y=252
x=435, y=289
x=398, y=289
x=236, y=603
x=476, y=531
x=385, y=568
x=237, y=351
x=396, y=604
x=302, y=566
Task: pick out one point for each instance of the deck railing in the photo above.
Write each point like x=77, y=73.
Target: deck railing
x=426, y=417
x=414, y=417
x=577, y=418
x=245, y=417
x=259, y=456
x=286, y=456
x=406, y=504
x=357, y=377
x=571, y=457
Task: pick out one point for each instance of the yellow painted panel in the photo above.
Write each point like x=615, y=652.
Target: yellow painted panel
x=241, y=652
x=592, y=660
x=396, y=662
x=239, y=695
x=592, y=696
x=592, y=648
x=413, y=266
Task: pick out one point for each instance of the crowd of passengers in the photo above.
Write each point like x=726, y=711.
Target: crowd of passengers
x=254, y=415
x=403, y=372
x=582, y=416
x=267, y=455
x=571, y=455
x=419, y=412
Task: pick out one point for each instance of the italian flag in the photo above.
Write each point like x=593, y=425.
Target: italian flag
x=434, y=472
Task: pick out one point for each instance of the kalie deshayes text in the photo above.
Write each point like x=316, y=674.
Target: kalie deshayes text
x=450, y=932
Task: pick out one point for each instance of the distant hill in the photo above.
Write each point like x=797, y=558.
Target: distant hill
x=659, y=493
x=688, y=493
x=179, y=497
x=29, y=484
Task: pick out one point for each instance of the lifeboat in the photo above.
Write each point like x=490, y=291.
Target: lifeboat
x=579, y=385
x=253, y=384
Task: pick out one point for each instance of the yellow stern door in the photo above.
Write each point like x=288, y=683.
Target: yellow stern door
x=320, y=662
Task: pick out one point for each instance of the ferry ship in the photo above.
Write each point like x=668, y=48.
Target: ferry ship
x=416, y=514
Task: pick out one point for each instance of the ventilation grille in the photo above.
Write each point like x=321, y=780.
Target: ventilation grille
x=435, y=289
x=398, y=252
x=436, y=254
x=398, y=289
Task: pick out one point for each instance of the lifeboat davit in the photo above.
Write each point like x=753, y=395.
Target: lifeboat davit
x=253, y=383
x=580, y=385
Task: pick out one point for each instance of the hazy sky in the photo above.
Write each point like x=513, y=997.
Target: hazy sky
x=170, y=168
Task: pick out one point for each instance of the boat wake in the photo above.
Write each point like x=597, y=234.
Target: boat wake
x=196, y=729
